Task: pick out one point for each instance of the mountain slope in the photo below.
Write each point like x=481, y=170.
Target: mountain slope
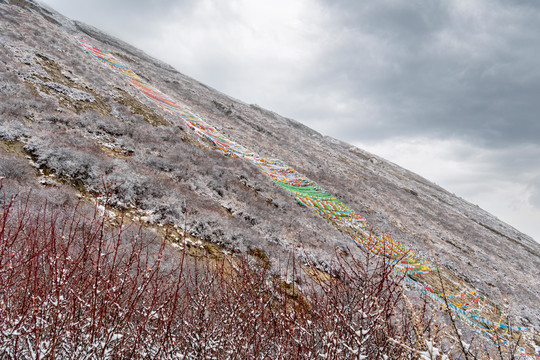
x=88, y=126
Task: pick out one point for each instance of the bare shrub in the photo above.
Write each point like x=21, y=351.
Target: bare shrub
x=69, y=156
x=71, y=288
x=12, y=130
x=15, y=168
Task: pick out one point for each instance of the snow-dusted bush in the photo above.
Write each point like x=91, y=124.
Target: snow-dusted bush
x=95, y=123
x=14, y=168
x=69, y=156
x=13, y=130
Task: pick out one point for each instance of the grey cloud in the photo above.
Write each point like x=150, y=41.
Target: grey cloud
x=515, y=163
x=428, y=70
x=392, y=20
x=534, y=198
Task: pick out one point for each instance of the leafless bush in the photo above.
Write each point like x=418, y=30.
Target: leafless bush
x=14, y=168
x=12, y=130
x=69, y=156
x=93, y=122
x=9, y=82
x=72, y=288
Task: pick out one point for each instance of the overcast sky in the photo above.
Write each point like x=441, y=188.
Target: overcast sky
x=448, y=89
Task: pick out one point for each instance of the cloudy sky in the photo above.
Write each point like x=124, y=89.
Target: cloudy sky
x=448, y=89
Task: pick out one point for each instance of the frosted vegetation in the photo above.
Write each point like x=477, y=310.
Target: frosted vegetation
x=125, y=236
x=72, y=287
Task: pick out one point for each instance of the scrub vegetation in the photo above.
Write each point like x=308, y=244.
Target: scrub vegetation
x=74, y=284
x=125, y=235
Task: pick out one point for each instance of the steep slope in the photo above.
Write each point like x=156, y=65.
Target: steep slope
x=86, y=125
